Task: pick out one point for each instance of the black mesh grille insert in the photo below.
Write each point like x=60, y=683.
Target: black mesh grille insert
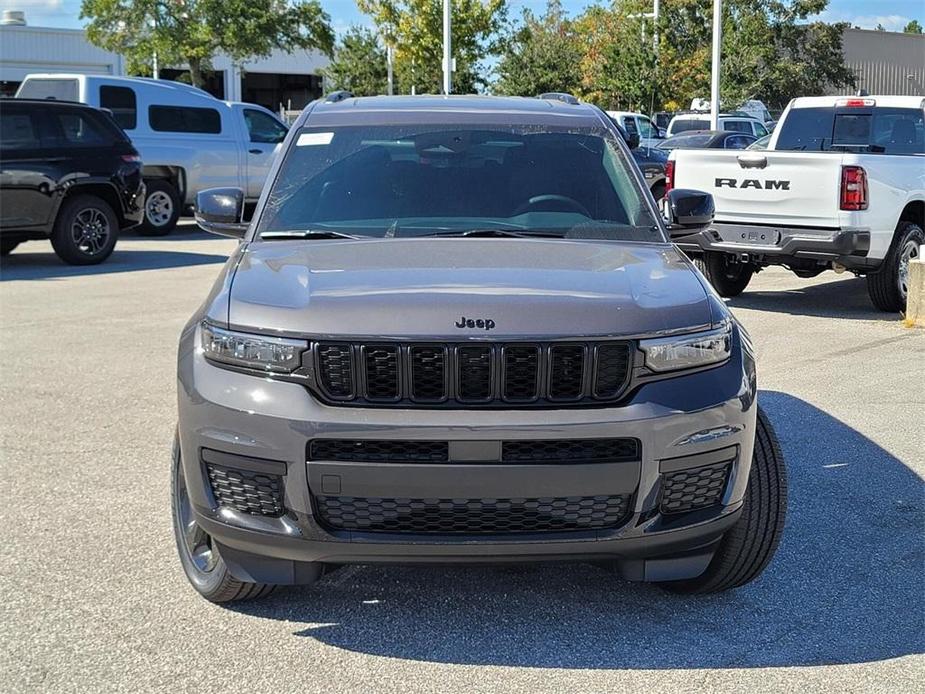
x=576, y=450
x=255, y=493
x=612, y=369
x=474, y=365
x=381, y=364
x=336, y=370
x=547, y=514
x=521, y=369
x=360, y=450
x=428, y=373
x=566, y=372
x=476, y=374
x=700, y=487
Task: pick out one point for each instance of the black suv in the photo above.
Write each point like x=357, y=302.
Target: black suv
x=68, y=173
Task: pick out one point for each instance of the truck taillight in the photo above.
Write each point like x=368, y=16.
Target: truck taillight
x=853, y=188
x=669, y=175
x=855, y=103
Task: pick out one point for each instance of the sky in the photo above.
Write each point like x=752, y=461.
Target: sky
x=867, y=14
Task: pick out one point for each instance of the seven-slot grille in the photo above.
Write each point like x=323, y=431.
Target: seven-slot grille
x=475, y=373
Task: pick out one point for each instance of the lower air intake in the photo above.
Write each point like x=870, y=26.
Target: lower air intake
x=254, y=493
x=474, y=516
x=700, y=487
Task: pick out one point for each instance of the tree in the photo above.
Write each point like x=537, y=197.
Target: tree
x=543, y=55
x=771, y=51
x=195, y=31
x=913, y=27
x=415, y=29
x=359, y=64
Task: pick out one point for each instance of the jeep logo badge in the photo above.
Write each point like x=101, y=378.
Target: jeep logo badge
x=484, y=323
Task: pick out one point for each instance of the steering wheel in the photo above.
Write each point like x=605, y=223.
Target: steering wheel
x=537, y=200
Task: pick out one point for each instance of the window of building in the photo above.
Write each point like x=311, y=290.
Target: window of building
x=184, y=119
x=121, y=103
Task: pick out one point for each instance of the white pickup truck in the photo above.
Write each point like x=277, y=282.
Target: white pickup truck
x=188, y=139
x=840, y=187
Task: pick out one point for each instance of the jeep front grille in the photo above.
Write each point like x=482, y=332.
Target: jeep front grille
x=473, y=374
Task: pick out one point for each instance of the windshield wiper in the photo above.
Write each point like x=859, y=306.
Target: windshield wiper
x=310, y=234
x=488, y=233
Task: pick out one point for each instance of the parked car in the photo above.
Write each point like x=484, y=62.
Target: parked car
x=701, y=121
x=707, y=139
x=188, y=139
x=640, y=124
x=652, y=163
x=456, y=331
x=69, y=174
x=841, y=186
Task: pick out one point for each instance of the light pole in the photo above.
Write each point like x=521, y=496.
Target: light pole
x=447, y=49
x=714, y=82
x=389, y=57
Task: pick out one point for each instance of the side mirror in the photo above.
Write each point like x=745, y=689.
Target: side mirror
x=221, y=211
x=689, y=210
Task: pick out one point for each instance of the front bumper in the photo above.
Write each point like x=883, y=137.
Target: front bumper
x=679, y=422
x=782, y=245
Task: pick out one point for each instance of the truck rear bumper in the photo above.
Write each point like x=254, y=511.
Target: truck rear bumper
x=775, y=245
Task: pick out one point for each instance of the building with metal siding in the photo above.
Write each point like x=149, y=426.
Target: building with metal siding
x=885, y=62
x=288, y=80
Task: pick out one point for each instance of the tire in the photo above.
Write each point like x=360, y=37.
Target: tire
x=162, y=208
x=85, y=230
x=888, y=286
x=7, y=246
x=728, y=279
x=203, y=565
x=748, y=546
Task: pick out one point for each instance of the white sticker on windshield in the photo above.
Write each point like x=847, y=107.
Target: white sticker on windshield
x=310, y=139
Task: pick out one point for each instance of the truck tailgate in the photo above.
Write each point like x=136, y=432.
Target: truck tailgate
x=764, y=187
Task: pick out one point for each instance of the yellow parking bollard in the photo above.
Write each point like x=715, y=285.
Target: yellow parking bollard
x=915, y=303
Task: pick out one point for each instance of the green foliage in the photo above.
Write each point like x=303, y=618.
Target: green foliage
x=913, y=27
x=358, y=65
x=415, y=29
x=195, y=31
x=543, y=55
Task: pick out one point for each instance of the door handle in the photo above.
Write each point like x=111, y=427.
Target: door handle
x=752, y=161
x=255, y=151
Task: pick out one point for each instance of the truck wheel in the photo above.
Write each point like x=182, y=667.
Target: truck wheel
x=727, y=277
x=85, y=230
x=7, y=246
x=162, y=208
x=203, y=565
x=747, y=547
x=888, y=287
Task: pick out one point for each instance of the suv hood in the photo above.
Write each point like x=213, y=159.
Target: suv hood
x=421, y=288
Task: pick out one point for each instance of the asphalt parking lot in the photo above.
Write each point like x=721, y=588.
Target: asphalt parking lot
x=94, y=598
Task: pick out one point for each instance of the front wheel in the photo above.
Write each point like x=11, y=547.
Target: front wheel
x=888, y=287
x=728, y=277
x=747, y=547
x=203, y=565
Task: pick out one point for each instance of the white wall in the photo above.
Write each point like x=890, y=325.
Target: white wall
x=25, y=49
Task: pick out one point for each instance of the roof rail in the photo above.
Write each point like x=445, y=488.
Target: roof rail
x=340, y=95
x=559, y=96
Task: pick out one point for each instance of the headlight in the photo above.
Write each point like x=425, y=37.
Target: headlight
x=260, y=352
x=688, y=351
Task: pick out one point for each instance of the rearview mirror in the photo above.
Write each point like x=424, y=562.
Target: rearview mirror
x=221, y=211
x=689, y=209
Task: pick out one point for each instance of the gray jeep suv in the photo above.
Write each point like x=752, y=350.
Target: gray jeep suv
x=456, y=331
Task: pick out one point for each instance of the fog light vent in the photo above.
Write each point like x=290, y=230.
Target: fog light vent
x=254, y=493
x=699, y=487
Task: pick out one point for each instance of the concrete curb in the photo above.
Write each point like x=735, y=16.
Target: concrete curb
x=915, y=303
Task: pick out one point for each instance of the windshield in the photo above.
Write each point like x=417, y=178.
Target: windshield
x=391, y=181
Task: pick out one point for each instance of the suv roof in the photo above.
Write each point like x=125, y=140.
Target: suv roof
x=44, y=103
x=409, y=109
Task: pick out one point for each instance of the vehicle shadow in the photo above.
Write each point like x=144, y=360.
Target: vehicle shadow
x=23, y=265
x=845, y=587
x=839, y=298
